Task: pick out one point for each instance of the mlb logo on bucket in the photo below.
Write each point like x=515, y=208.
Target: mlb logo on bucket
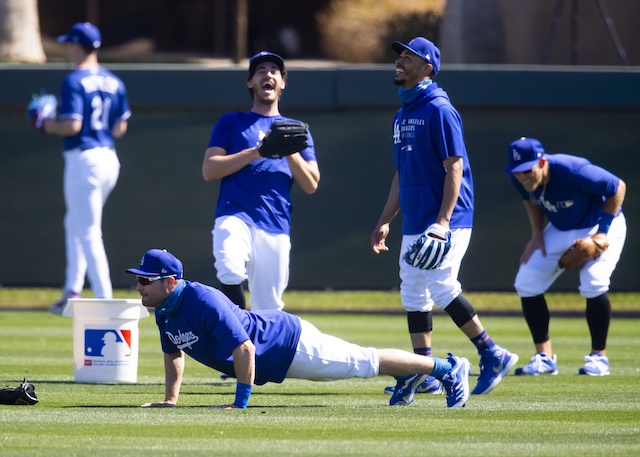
x=112, y=344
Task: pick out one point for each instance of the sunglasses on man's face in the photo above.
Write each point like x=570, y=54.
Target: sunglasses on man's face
x=145, y=281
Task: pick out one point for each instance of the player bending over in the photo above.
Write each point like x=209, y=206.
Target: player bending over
x=569, y=202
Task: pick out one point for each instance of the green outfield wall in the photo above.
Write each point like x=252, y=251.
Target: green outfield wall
x=162, y=201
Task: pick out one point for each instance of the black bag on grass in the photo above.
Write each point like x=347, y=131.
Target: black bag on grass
x=24, y=394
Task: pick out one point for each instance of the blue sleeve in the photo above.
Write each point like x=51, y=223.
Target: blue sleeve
x=72, y=102
x=226, y=329
x=446, y=130
x=309, y=154
x=124, y=111
x=221, y=132
x=595, y=180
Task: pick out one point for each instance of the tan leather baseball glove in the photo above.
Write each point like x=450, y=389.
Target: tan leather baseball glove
x=583, y=250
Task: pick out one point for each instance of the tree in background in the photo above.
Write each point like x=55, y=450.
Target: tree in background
x=360, y=31
x=20, y=39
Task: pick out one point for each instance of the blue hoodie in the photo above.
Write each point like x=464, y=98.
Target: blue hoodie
x=426, y=131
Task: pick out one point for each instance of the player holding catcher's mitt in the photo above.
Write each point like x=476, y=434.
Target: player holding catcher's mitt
x=41, y=108
x=583, y=250
x=284, y=139
x=24, y=394
x=428, y=251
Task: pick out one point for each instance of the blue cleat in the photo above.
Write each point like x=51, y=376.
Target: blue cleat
x=405, y=389
x=456, y=382
x=495, y=363
x=597, y=365
x=431, y=385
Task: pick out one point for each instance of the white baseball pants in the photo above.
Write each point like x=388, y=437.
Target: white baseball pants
x=322, y=357
x=243, y=251
x=89, y=178
x=421, y=289
x=539, y=273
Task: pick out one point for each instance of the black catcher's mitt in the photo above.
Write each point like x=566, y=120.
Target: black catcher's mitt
x=40, y=108
x=24, y=394
x=285, y=138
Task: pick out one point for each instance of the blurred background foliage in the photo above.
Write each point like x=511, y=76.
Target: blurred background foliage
x=359, y=31
x=554, y=32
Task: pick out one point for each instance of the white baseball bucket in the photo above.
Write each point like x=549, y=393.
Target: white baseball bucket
x=105, y=339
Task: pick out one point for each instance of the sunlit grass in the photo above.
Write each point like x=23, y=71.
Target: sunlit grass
x=379, y=301
x=567, y=414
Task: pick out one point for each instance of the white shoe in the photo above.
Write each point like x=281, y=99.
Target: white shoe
x=540, y=363
x=597, y=365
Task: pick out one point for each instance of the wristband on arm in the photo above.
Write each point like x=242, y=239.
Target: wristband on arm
x=605, y=222
x=243, y=392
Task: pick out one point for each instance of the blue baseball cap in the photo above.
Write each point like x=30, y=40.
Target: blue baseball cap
x=158, y=262
x=265, y=56
x=523, y=154
x=423, y=48
x=85, y=34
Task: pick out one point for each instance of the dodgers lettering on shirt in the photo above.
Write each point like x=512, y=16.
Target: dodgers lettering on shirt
x=99, y=99
x=574, y=194
x=425, y=133
x=207, y=326
x=260, y=193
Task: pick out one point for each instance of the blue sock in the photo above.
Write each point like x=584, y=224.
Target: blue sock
x=440, y=367
x=483, y=341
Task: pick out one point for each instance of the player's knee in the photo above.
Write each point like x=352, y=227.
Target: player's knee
x=528, y=286
x=442, y=299
x=527, y=291
x=230, y=272
x=460, y=310
x=419, y=322
x=231, y=278
x=593, y=290
x=418, y=306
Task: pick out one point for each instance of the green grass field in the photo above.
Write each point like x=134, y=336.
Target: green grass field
x=345, y=301
x=564, y=415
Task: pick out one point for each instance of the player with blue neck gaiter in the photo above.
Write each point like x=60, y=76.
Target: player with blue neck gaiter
x=433, y=188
